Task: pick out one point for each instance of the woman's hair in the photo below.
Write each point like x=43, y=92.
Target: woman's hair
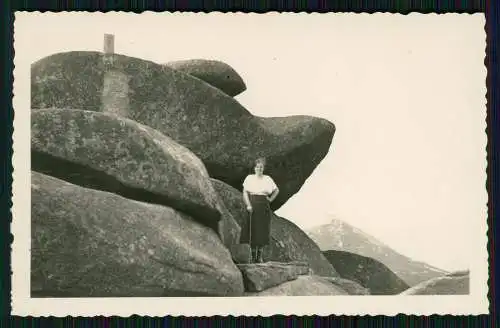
x=261, y=160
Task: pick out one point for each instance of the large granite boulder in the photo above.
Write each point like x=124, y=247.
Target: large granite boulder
x=260, y=276
x=455, y=283
x=369, y=273
x=89, y=243
x=213, y=125
x=303, y=286
x=111, y=153
x=288, y=242
x=214, y=72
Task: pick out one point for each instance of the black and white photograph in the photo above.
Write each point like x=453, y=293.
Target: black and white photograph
x=249, y=164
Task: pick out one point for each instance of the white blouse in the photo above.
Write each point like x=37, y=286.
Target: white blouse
x=263, y=185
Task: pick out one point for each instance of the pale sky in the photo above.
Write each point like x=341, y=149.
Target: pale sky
x=406, y=93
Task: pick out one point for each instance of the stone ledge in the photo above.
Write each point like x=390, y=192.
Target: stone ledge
x=261, y=276
x=303, y=286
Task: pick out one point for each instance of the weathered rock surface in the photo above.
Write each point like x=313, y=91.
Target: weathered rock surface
x=213, y=125
x=457, y=283
x=368, y=272
x=241, y=253
x=351, y=287
x=228, y=229
x=214, y=72
x=111, y=153
x=260, y=276
x=303, y=286
x=233, y=201
x=89, y=243
x=288, y=242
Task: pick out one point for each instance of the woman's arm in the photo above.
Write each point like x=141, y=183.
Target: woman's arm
x=273, y=195
x=246, y=199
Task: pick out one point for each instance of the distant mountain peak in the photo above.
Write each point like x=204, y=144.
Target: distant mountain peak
x=339, y=226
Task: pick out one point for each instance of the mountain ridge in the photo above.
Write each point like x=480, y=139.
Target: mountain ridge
x=341, y=236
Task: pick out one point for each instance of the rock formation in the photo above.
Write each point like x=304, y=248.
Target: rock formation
x=214, y=72
x=87, y=243
x=213, y=125
x=111, y=153
x=366, y=271
x=136, y=182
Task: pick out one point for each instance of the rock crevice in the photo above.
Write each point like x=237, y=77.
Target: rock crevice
x=115, y=154
x=88, y=177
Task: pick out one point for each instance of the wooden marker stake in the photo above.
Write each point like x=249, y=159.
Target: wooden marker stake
x=109, y=44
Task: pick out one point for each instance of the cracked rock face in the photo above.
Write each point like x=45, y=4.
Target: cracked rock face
x=209, y=122
x=111, y=153
x=90, y=243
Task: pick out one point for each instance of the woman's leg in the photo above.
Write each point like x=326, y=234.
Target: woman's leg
x=260, y=251
x=254, y=254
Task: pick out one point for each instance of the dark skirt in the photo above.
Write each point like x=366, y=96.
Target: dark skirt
x=257, y=228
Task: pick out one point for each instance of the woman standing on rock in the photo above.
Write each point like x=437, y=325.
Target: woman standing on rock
x=259, y=191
